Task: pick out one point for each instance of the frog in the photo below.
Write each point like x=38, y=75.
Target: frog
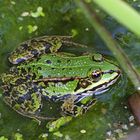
x=45, y=83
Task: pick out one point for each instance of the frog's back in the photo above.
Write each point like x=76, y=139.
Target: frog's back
x=54, y=65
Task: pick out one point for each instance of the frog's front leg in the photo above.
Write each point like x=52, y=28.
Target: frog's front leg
x=71, y=109
x=76, y=105
x=37, y=46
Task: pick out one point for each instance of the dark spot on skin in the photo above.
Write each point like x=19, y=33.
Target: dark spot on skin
x=64, y=82
x=19, y=81
x=19, y=60
x=41, y=77
x=34, y=42
x=23, y=71
x=47, y=46
x=5, y=87
x=45, y=98
x=38, y=59
x=48, y=61
x=13, y=103
x=39, y=68
x=58, y=61
x=40, y=88
x=27, y=96
x=18, y=50
x=29, y=69
x=28, y=77
x=34, y=76
x=24, y=46
x=35, y=89
x=34, y=52
x=20, y=100
x=46, y=84
x=6, y=94
x=90, y=69
x=14, y=93
x=68, y=60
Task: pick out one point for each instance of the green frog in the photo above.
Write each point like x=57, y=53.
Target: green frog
x=45, y=83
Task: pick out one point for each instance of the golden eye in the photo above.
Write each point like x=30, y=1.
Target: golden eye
x=96, y=75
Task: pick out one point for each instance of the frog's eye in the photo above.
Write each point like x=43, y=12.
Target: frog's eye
x=96, y=75
x=97, y=57
x=84, y=83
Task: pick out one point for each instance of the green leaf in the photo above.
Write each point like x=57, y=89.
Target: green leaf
x=122, y=12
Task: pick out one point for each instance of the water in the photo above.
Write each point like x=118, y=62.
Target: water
x=17, y=24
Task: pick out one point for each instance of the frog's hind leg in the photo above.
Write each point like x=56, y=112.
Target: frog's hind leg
x=37, y=46
x=23, y=98
x=33, y=48
x=74, y=44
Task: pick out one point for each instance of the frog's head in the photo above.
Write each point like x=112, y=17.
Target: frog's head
x=103, y=74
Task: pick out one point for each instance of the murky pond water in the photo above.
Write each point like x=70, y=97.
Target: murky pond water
x=23, y=20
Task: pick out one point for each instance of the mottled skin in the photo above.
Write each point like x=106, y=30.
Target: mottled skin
x=47, y=84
